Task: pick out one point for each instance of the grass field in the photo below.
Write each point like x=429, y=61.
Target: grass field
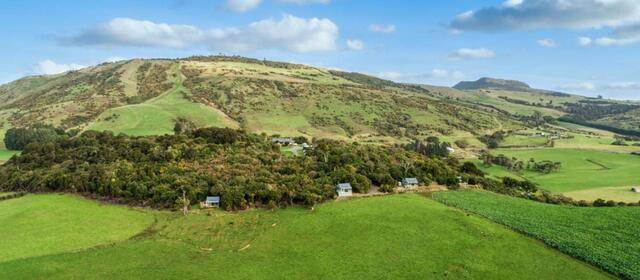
x=606, y=237
x=581, y=169
x=393, y=237
x=37, y=225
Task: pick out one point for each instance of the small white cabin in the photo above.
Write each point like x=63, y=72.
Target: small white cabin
x=212, y=201
x=344, y=190
x=410, y=183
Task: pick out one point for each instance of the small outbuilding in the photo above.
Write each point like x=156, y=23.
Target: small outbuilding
x=283, y=141
x=450, y=150
x=635, y=189
x=344, y=190
x=410, y=182
x=212, y=201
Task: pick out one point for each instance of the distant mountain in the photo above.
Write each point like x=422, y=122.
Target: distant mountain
x=491, y=83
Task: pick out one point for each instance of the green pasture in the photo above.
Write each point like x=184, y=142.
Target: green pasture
x=38, y=225
x=392, y=237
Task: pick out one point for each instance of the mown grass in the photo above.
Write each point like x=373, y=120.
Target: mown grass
x=581, y=169
x=37, y=225
x=393, y=237
x=606, y=237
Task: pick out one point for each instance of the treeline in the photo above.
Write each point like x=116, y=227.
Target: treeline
x=514, y=164
x=246, y=170
x=18, y=138
x=622, y=131
x=431, y=147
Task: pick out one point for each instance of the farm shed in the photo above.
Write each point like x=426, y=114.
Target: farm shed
x=635, y=189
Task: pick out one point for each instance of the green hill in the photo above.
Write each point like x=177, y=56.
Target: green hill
x=142, y=97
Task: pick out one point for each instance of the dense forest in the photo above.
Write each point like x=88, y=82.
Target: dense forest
x=246, y=170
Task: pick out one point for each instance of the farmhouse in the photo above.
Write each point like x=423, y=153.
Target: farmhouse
x=344, y=190
x=212, y=201
x=410, y=182
x=282, y=141
x=635, y=189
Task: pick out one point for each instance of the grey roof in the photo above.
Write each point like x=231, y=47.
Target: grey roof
x=344, y=186
x=213, y=199
x=410, y=180
x=281, y=140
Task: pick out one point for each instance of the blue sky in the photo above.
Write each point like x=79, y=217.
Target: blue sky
x=582, y=46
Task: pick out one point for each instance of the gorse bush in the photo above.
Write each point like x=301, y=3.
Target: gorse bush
x=244, y=169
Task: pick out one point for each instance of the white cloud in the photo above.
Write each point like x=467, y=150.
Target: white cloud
x=289, y=33
x=306, y=2
x=584, y=41
x=547, y=43
x=435, y=74
x=585, y=86
x=137, y=33
x=462, y=54
x=355, y=45
x=536, y=14
x=114, y=59
x=623, y=86
x=49, y=67
x=380, y=28
x=242, y=6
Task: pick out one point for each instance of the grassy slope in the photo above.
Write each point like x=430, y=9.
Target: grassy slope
x=157, y=116
x=581, y=169
x=394, y=237
x=37, y=225
x=604, y=236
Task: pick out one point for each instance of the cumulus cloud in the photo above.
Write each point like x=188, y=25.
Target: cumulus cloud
x=242, y=6
x=435, y=74
x=305, y=2
x=584, y=41
x=289, y=33
x=49, y=67
x=137, y=33
x=355, y=45
x=536, y=14
x=547, y=43
x=381, y=28
x=584, y=86
x=463, y=54
x=626, y=35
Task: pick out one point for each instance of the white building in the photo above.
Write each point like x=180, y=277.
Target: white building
x=344, y=190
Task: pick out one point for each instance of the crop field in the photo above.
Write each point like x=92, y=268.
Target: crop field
x=392, y=237
x=606, y=237
x=38, y=225
x=581, y=169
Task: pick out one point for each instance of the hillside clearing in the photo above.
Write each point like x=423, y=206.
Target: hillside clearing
x=392, y=237
x=606, y=237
